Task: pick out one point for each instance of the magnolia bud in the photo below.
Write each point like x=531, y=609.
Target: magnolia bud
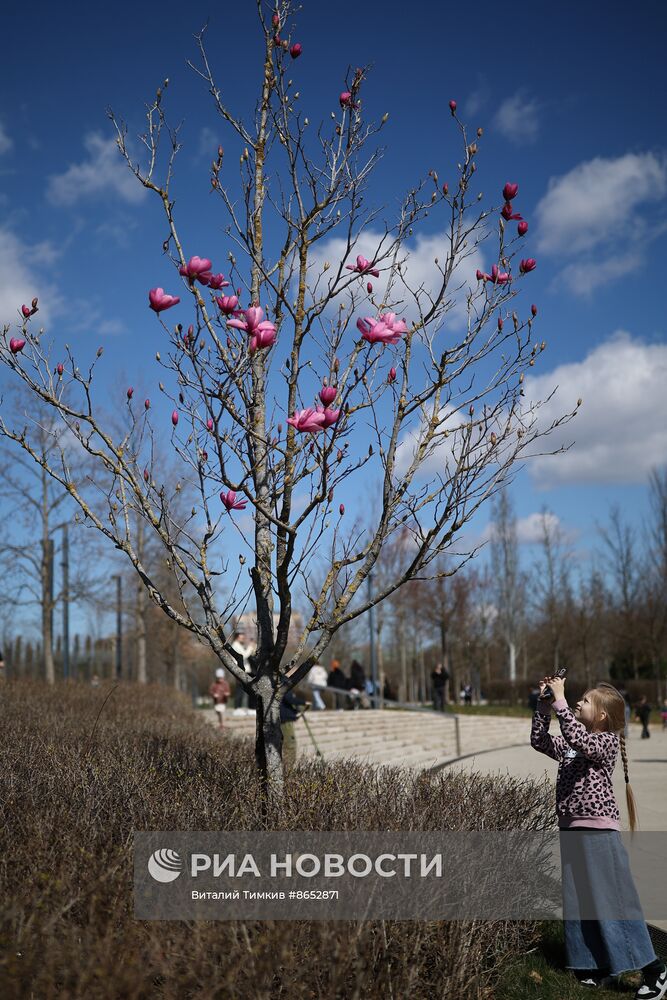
x=493, y=438
x=533, y=309
x=579, y=401
x=331, y=494
x=100, y=351
x=452, y=107
x=341, y=509
x=60, y=369
x=157, y=356
x=130, y=393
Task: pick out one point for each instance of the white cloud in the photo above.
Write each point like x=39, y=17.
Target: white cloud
x=6, y=142
x=595, y=216
x=103, y=172
x=21, y=278
x=530, y=529
x=583, y=277
x=620, y=431
x=597, y=201
x=518, y=118
x=208, y=143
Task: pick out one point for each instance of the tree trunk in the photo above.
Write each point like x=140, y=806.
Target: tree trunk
x=141, y=634
x=47, y=620
x=512, y=652
x=141, y=610
x=269, y=743
x=444, y=645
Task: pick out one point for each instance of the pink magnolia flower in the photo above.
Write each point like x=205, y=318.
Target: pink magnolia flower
x=384, y=330
x=275, y=20
x=330, y=416
x=510, y=191
x=346, y=101
x=309, y=420
x=217, y=281
x=130, y=393
x=392, y=375
x=363, y=266
x=209, y=424
x=174, y=417
x=500, y=322
x=16, y=344
x=480, y=275
x=452, y=106
x=60, y=368
x=529, y=264
x=533, y=310
x=498, y=277
x=328, y=393
x=146, y=476
x=228, y=303
x=296, y=51
x=522, y=228
x=369, y=288
x=263, y=336
x=159, y=300
x=26, y=311
x=197, y=269
x=252, y=318
x=147, y=404
x=341, y=509
x=230, y=501
x=508, y=212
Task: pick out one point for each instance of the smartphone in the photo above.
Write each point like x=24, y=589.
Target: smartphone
x=548, y=693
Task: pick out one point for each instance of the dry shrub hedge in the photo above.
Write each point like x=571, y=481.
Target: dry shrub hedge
x=69, y=806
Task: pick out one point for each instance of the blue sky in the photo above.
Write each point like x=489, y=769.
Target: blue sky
x=569, y=97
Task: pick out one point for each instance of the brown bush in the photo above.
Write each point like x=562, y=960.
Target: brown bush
x=68, y=810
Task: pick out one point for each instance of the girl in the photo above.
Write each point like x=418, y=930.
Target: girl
x=586, y=753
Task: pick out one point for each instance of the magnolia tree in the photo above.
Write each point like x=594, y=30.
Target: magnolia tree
x=327, y=367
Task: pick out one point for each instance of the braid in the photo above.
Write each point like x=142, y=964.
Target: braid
x=624, y=757
x=629, y=796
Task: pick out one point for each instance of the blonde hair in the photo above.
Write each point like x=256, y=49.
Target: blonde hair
x=605, y=698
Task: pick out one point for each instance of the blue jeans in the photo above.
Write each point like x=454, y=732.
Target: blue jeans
x=597, y=877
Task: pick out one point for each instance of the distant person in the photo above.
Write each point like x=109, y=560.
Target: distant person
x=643, y=713
x=467, y=694
x=388, y=692
x=94, y=681
x=357, y=683
x=289, y=713
x=242, y=701
x=220, y=692
x=317, y=679
x=337, y=679
x=439, y=678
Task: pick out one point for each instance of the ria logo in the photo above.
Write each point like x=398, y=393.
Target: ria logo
x=165, y=865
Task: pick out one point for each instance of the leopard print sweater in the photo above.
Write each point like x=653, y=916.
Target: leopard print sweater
x=584, y=789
